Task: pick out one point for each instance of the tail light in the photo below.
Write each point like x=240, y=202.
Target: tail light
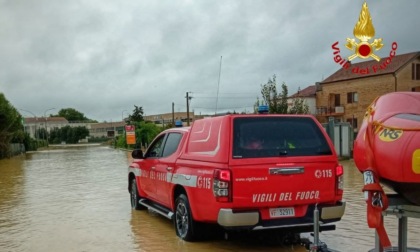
x=222, y=185
x=339, y=171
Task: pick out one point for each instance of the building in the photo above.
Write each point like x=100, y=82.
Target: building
x=106, y=129
x=345, y=95
x=308, y=95
x=33, y=124
x=165, y=119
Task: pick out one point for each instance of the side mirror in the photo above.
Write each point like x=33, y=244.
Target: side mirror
x=137, y=154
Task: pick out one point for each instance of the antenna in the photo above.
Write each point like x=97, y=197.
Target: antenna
x=218, y=84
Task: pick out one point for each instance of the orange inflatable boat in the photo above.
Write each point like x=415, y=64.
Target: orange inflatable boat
x=387, y=151
x=388, y=143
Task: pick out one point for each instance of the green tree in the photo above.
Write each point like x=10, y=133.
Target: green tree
x=54, y=136
x=41, y=133
x=11, y=128
x=276, y=102
x=146, y=132
x=30, y=143
x=282, y=106
x=256, y=105
x=299, y=105
x=269, y=94
x=137, y=115
x=68, y=134
x=121, y=142
x=81, y=132
x=72, y=114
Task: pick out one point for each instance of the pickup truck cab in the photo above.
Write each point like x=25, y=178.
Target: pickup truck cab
x=251, y=172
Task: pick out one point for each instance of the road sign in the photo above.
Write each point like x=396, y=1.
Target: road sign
x=130, y=134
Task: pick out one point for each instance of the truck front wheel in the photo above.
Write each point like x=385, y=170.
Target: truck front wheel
x=184, y=223
x=135, y=197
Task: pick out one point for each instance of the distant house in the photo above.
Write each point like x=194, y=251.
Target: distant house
x=346, y=95
x=166, y=118
x=308, y=94
x=33, y=124
x=106, y=129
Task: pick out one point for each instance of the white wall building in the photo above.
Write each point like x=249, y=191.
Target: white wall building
x=105, y=129
x=33, y=124
x=308, y=95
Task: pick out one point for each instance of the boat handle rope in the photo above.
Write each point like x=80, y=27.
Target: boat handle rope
x=376, y=199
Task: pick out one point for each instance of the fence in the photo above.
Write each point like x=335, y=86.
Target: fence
x=16, y=148
x=342, y=136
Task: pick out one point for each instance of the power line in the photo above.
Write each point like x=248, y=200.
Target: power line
x=222, y=93
x=225, y=107
x=224, y=97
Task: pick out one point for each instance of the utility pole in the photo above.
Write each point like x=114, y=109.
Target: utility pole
x=188, y=109
x=173, y=114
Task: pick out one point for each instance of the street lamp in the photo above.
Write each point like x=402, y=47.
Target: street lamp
x=122, y=114
x=36, y=119
x=46, y=121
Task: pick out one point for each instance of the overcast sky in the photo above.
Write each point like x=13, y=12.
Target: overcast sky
x=102, y=57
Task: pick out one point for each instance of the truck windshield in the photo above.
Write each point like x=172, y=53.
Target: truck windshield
x=258, y=137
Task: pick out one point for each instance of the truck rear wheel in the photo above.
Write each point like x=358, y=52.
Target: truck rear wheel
x=135, y=197
x=184, y=223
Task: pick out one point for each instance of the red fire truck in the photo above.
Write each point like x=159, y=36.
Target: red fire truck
x=241, y=172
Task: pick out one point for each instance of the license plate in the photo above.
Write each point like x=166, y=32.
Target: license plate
x=282, y=212
x=368, y=177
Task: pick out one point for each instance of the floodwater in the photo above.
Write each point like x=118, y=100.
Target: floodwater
x=76, y=199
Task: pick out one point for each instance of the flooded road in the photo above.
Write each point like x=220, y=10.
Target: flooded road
x=76, y=199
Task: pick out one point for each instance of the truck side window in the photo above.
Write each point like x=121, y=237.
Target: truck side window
x=171, y=144
x=155, y=150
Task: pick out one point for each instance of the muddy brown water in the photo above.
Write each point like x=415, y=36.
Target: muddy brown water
x=76, y=199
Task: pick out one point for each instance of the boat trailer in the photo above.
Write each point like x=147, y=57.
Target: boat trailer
x=316, y=245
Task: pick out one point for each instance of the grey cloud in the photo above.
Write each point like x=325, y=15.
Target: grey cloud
x=102, y=57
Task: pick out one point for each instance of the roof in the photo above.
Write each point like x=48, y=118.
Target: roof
x=42, y=119
x=398, y=62
x=107, y=124
x=57, y=119
x=306, y=92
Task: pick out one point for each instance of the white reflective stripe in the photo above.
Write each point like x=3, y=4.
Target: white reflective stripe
x=185, y=180
x=136, y=171
x=213, y=152
x=201, y=131
x=168, y=177
x=181, y=179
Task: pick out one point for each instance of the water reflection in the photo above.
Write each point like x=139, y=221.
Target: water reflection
x=76, y=199
x=153, y=232
x=352, y=231
x=12, y=179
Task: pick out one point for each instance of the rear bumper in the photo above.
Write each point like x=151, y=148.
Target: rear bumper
x=229, y=219
x=333, y=212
